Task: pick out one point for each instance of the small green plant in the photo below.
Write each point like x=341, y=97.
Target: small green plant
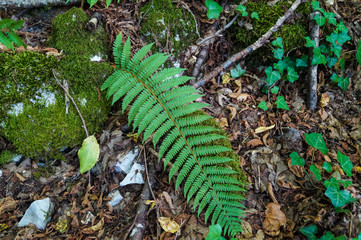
x=310, y=233
x=8, y=36
x=215, y=233
x=214, y=10
x=93, y=2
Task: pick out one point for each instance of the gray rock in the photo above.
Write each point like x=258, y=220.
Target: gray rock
x=39, y=213
x=116, y=198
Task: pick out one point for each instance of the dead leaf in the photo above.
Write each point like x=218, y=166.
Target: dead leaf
x=274, y=219
x=254, y=143
x=168, y=225
x=259, y=235
x=323, y=113
x=247, y=230
x=296, y=169
x=325, y=99
x=239, y=96
x=223, y=122
x=226, y=78
x=233, y=113
x=263, y=129
x=286, y=184
x=21, y=178
x=7, y=204
x=95, y=228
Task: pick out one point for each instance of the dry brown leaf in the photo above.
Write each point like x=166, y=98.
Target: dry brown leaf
x=263, y=129
x=168, y=225
x=21, y=178
x=296, y=169
x=95, y=228
x=7, y=204
x=323, y=114
x=254, y=143
x=274, y=219
x=247, y=230
x=223, y=122
x=286, y=184
x=233, y=113
x=239, y=96
x=325, y=99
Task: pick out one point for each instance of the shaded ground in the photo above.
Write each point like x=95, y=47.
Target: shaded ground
x=264, y=156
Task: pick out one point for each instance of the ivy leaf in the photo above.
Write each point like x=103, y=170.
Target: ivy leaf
x=215, y=232
x=88, y=154
x=242, y=10
x=327, y=166
x=278, y=53
x=315, y=140
x=292, y=75
x=289, y=62
x=316, y=6
x=92, y=2
x=343, y=83
x=272, y=76
x=255, y=15
x=331, y=61
x=280, y=66
x=332, y=183
x=337, y=197
x=345, y=163
x=345, y=183
x=237, y=72
x=316, y=171
x=309, y=231
x=320, y=20
x=358, y=53
x=263, y=105
x=328, y=236
x=310, y=43
x=318, y=58
x=336, y=49
x=281, y=103
x=324, y=49
x=334, y=77
x=342, y=38
x=108, y=2
x=341, y=27
x=296, y=160
x=302, y=62
x=214, y=9
x=277, y=42
x=332, y=38
x=275, y=90
x=330, y=16
x=342, y=63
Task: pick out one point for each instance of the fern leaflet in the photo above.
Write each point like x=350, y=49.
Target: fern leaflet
x=161, y=108
x=7, y=35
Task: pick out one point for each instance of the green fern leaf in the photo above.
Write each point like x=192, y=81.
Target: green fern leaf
x=16, y=39
x=164, y=109
x=4, y=40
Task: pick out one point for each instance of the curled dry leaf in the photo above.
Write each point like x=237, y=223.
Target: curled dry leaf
x=254, y=143
x=263, y=129
x=233, y=113
x=286, y=184
x=95, y=228
x=296, y=169
x=7, y=204
x=168, y=225
x=223, y=122
x=325, y=99
x=274, y=219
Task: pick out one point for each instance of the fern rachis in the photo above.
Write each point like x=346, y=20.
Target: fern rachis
x=163, y=109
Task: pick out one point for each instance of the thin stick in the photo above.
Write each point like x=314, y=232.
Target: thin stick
x=259, y=43
x=76, y=107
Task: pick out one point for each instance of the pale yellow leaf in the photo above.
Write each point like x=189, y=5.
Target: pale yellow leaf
x=168, y=225
x=263, y=129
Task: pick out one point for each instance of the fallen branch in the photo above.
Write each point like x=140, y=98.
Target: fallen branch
x=16, y=4
x=312, y=69
x=259, y=43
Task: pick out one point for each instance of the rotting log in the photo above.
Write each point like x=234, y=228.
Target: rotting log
x=19, y=4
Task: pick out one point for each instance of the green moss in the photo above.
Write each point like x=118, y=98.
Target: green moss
x=164, y=23
x=43, y=172
x=291, y=33
x=6, y=156
x=69, y=34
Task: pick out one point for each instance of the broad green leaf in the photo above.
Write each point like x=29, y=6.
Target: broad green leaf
x=275, y=90
x=242, y=10
x=315, y=140
x=215, y=232
x=332, y=183
x=341, y=27
x=309, y=232
x=334, y=77
x=332, y=38
x=316, y=6
x=281, y=103
x=336, y=49
x=310, y=43
x=316, y=171
x=278, y=42
x=108, y=2
x=214, y=9
x=292, y=75
x=263, y=105
x=341, y=237
x=327, y=166
x=342, y=38
x=325, y=49
x=92, y=2
x=255, y=15
x=358, y=53
x=302, y=62
x=272, y=76
x=345, y=163
x=343, y=83
x=328, y=236
x=88, y=154
x=337, y=197
x=342, y=63
x=345, y=183
x=330, y=16
x=289, y=62
x=320, y=20
x=278, y=53
x=237, y=72
x=318, y=58
x=331, y=61
x=280, y=66
x=296, y=160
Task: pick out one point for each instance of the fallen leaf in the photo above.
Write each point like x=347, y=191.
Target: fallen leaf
x=226, y=78
x=263, y=129
x=274, y=219
x=233, y=113
x=21, y=178
x=286, y=184
x=325, y=99
x=168, y=225
x=7, y=204
x=223, y=122
x=239, y=96
x=247, y=230
x=95, y=228
x=323, y=114
x=296, y=169
x=254, y=143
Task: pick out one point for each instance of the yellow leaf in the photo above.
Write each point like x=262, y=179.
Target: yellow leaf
x=263, y=129
x=225, y=78
x=151, y=203
x=134, y=136
x=168, y=225
x=325, y=99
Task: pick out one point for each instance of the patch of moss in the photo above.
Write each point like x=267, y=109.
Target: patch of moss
x=43, y=172
x=164, y=23
x=291, y=33
x=6, y=156
x=69, y=34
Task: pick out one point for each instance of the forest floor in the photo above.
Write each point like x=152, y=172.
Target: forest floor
x=264, y=154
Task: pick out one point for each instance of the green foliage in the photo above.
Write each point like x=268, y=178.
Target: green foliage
x=310, y=233
x=345, y=163
x=358, y=53
x=88, y=154
x=93, y=2
x=243, y=10
x=8, y=37
x=215, y=233
x=316, y=171
x=281, y=103
x=255, y=15
x=6, y=156
x=339, y=198
x=263, y=105
x=316, y=140
x=237, y=72
x=161, y=108
x=296, y=159
x=327, y=166
x=213, y=9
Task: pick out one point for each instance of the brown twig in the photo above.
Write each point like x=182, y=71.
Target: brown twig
x=76, y=107
x=259, y=43
x=312, y=69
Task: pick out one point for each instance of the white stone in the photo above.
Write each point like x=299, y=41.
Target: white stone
x=116, y=198
x=39, y=213
x=135, y=175
x=125, y=162
x=1, y=173
x=95, y=58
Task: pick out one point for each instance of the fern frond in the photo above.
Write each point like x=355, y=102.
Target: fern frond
x=16, y=39
x=4, y=40
x=164, y=109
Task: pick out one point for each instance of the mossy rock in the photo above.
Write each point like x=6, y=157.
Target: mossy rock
x=163, y=22
x=291, y=33
x=33, y=109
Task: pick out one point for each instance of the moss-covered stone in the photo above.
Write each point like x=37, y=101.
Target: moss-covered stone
x=291, y=33
x=164, y=23
x=33, y=109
